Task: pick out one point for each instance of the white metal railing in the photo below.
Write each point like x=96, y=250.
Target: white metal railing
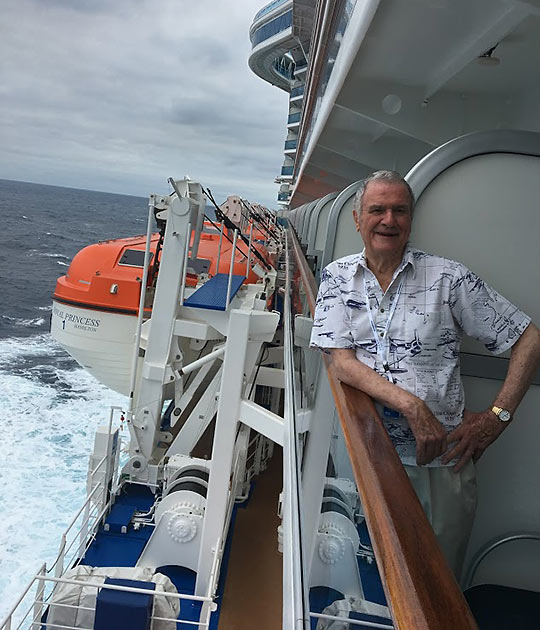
x=95, y=507
x=33, y=617
x=346, y=621
x=294, y=591
x=77, y=537
x=231, y=269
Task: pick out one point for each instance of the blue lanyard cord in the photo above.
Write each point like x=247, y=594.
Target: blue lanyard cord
x=381, y=340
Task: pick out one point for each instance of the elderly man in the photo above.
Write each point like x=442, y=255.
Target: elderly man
x=393, y=318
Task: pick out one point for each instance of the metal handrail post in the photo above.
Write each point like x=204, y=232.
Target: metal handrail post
x=108, y=460
x=59, y=567
x=208, y=605
x=249, y=249
x=142, y=297
x=184, y=270
x=219, y=246
x=231, y=269
x=38, y=602
x=86, y=517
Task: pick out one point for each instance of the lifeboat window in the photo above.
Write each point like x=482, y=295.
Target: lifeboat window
x=133, y=258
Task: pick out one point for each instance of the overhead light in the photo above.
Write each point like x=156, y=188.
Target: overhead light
x=391, y=104
x=487, y=58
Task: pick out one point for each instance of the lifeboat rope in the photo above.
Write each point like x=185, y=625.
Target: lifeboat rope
x=232, y=226
x=255, y=217
x=154, y=267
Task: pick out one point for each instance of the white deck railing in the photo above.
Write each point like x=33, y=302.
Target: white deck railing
x=294, y=587
x=28, y=611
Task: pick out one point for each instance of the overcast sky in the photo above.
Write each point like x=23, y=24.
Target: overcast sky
x=119, y=95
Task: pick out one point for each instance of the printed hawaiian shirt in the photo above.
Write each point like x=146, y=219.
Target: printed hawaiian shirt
x=427, y=307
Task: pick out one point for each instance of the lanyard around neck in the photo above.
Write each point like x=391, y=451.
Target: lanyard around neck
x=381, y=339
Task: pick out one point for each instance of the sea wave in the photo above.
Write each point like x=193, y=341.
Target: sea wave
x=47, y=467
x=49, y=406
x=34, y=322
x=53, y=255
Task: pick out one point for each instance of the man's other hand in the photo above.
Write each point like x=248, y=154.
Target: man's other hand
x=430, y=435
x=471, y=438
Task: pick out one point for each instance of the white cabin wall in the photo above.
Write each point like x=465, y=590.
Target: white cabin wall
x=483, y=211
x=508, y=497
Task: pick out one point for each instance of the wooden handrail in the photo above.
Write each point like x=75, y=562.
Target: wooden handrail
x=420, y=588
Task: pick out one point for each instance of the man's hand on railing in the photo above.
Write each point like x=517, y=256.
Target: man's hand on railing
x=430, y=435
x=471, y=438
x=428, y=431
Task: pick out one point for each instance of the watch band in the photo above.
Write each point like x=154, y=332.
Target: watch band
x=503, y=414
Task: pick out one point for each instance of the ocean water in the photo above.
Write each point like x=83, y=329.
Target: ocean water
x=49, y=406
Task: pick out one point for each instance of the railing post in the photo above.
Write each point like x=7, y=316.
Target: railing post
x=257, y=460
x=59, y=568
x=108, y=461
x=184, y=270
x=84, y=531
x=219, y=246
x=209, y=606
x=248, y=263
x=231, y=269
x=38, y=602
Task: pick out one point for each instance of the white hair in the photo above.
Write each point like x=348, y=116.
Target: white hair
x=387, y=176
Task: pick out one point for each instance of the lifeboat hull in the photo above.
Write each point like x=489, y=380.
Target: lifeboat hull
x=101, y=342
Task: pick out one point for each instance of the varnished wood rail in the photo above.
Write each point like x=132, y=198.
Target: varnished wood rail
x=420, y=588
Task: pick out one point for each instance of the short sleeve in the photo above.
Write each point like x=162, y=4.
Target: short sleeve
x=483, y=313
x=330, y=324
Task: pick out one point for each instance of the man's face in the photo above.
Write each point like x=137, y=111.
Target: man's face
x=385, y=219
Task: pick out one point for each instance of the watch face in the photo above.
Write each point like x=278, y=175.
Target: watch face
x=504, y=415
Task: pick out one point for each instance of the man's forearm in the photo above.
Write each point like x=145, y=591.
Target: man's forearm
x=430, y=435
x=524, y=361
x=480, y=429
x=355, y=373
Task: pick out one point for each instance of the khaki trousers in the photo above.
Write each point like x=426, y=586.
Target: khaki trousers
x=449, y=501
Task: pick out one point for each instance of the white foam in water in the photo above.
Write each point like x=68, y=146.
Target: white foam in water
x=46, y=438
x=34, y=322
x=53, y=255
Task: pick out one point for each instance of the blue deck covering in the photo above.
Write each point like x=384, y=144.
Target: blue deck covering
x=119, y=518
x=213, y=294
x=116, y=549
x=113, y=548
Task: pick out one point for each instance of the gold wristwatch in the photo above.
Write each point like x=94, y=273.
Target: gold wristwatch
x=503, y=414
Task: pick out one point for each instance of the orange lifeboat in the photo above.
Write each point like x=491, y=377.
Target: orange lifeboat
x=96, y=304
x=107, y=276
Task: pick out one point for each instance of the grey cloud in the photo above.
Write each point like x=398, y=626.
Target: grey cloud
x=120, y=95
